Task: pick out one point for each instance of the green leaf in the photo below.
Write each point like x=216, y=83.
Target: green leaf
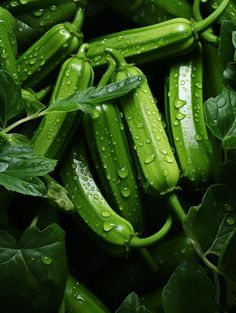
x=131, y=304
x=227, y=261
x=31, y=103
x=189, y=290
x=210, y=224
x=220, y=114
x=33, y=272
x=229, y=75
x=20, y=166
x=18, y=139
x=10, y=98
x=86, y=99
x=226, y=47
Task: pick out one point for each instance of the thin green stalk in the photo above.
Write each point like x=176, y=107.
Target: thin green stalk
x=107, y=75
x=201, y=26
x=208, y=35
x=24, y=120
x=78, y=20
x=176, y=207
x=138, y=242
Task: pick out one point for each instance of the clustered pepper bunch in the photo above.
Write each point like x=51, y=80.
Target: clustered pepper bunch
x=117, y=156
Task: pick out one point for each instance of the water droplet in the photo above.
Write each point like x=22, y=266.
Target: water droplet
x=39, y=12
x=105, y=214
x=164, y=151
x=45, y=259
x=168, y=159
x=125, y=191
x=53, y=7
x=108, y=227
x=122, y=172
x=230, y=220
x=179, y=103
x=198, y=137
x=198, y=85
x=14, y=3
x=150, y=158
x=180, y=116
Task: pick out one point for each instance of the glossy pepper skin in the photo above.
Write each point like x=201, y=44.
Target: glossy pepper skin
x=153, y=154
x=152, y=151
x=55, y=130
x=21, y=7
x=112, y=158
x=49, y=51
x=184, y=108
x=113, y=233
x=78, y=298
x=148, y=12
x=163, y=40
x=43, y=19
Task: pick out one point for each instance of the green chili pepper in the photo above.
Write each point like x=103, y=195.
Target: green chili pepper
x=79, y=298
x=20, y=7
x=159, y=41
x=154, y=156
x=112, y=158
x=185, y=119
x=41, y=20
x=112, y=232
x=49, y=51
x=56, y=129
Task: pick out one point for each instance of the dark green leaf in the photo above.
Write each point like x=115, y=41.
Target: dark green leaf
x=131, y=304
x=20, y=160
x=229, y=142
x=229, y=75
x=227, y=261
x=30, y=102
x=189, y=290
x=20, y=166
x=33, y=271
x=18, y=139
x=226, y=47
x=220, y=114
x=86, y=99
x=10, y=98
x=32, y=186
x=210, y=224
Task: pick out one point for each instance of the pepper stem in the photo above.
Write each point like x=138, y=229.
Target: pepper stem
x=176, y=207
x=138, y=242
x=106, y=78
x=201, y=26
x=78, y=20
x=208, y=35
x=117, y=56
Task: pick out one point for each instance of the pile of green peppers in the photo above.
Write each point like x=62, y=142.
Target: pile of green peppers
x=130, y=173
